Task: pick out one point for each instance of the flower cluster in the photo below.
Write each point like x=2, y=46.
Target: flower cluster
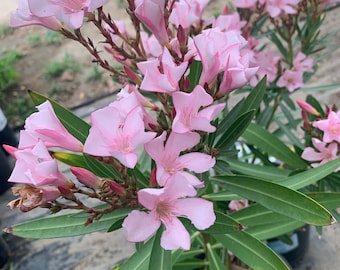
x=151, y=150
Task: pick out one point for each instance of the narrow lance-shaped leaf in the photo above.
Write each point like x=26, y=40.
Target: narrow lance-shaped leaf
x=160, y=258
x=267, y=142
x=75, y=125
x=223, y=224
x=65, y=225
x=101, y=169
x=251, y=251
x=215, y=261
x=278, y=198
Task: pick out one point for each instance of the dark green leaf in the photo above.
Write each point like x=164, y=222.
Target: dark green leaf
x=66, y=225
x=223, y=224
x=278, y=198
x=215, y=261
x=101, y=169
x=195, y=73
x=251, y=251
x=75, y=125
x=254, y=99
x=267, y=142
x=160, y=258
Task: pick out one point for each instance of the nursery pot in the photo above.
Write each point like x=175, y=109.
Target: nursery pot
x=296, y=251
x=7, y=135
x=5, y=172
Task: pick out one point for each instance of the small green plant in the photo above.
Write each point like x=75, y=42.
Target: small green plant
x=34, y=40
x=6, y=30
x=8, y=75
x=56, y=68
x=53, y=38
x=95, y=74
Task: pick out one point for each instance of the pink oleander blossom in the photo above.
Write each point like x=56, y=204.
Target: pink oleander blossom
x=189, y=117
x=112, y=135
x=87, y=178
x=214, y=48
x=236, y=205
x=164, y=206
x=229, y=22
x=47, y=127
x=161, y=75
x=187, y=12
x=151, y=14
x=169, y=161
x=24, y=17
x=321, y=152
x=303, y=63
x=244, y=3
x=276, y=7
x=291, y=79
x=71, y=12
x=36, y=167
x=151, y=45
x=330, y=127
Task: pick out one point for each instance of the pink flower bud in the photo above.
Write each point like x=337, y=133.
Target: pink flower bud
x=307, y=107
x=10, y=149
x=116, y=188
x=66, y=192
x=153, y=178
x=132, y=75
x=86, y=177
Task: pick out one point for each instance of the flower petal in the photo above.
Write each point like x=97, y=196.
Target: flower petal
x=175, y=236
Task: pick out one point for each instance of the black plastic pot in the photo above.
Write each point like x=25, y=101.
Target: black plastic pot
x=5, y=172
x=293, y=253
x=4, y=252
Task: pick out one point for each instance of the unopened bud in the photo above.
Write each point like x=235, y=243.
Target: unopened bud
x=153, y=180
x=307, y=107
x=132, y=75
x=116, y=188
x=10, y=149
x=66, y=193
x=86, y=177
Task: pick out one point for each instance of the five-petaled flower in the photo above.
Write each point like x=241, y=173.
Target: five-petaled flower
x=164, y=206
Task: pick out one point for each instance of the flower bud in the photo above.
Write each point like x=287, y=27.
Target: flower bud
x=153, y=180
x=132, y=75
x=86, y=177
x=116, y=188
x=307, y=107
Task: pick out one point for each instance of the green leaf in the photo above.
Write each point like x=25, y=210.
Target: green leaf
x=279, y=44
x=251, y=251
x=221, y=196
x=223, y=224
x=196, y=68
x=74, y=160
x=254, y=99
x=236, y=129
x=267, y=142
x=260, y=171
x=278, y=198
x=101, y=169
x=288, y=132
x=190, y=264
x=330, y=200
x=142, y=181
x=140, y=259
x=65, y=225
x=215, y=262
x=310, y=176
x=75, y=125
x=160, y=258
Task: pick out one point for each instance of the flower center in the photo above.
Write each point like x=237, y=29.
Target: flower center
x=164, y=211
x=335, y=130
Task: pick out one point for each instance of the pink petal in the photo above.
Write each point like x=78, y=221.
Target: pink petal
x=139, y=226
x=177, y=187
x=148, y=197
x=199, y=211
x=197, y=162
x=311, y=155
x=175, y=236
x=178, y=142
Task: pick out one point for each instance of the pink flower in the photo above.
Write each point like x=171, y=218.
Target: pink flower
x=165, y=205
x=236, y=205
x=330, y=127
x=187, y=12
x=35, y=166
x=291, y=79
x=161, y=76
x=168, y=159
x=214, y=48
x=32, y=197
x=244, y=3
x=151, y=45
x=303, y=63
x=46, y=126
x=188, y=114
x=71, y=12
x=112, y=135
x=24, y=17
x=229, y=22
x=237, y=76
x=275, y=7
x=151, y=14
x=324, y=153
